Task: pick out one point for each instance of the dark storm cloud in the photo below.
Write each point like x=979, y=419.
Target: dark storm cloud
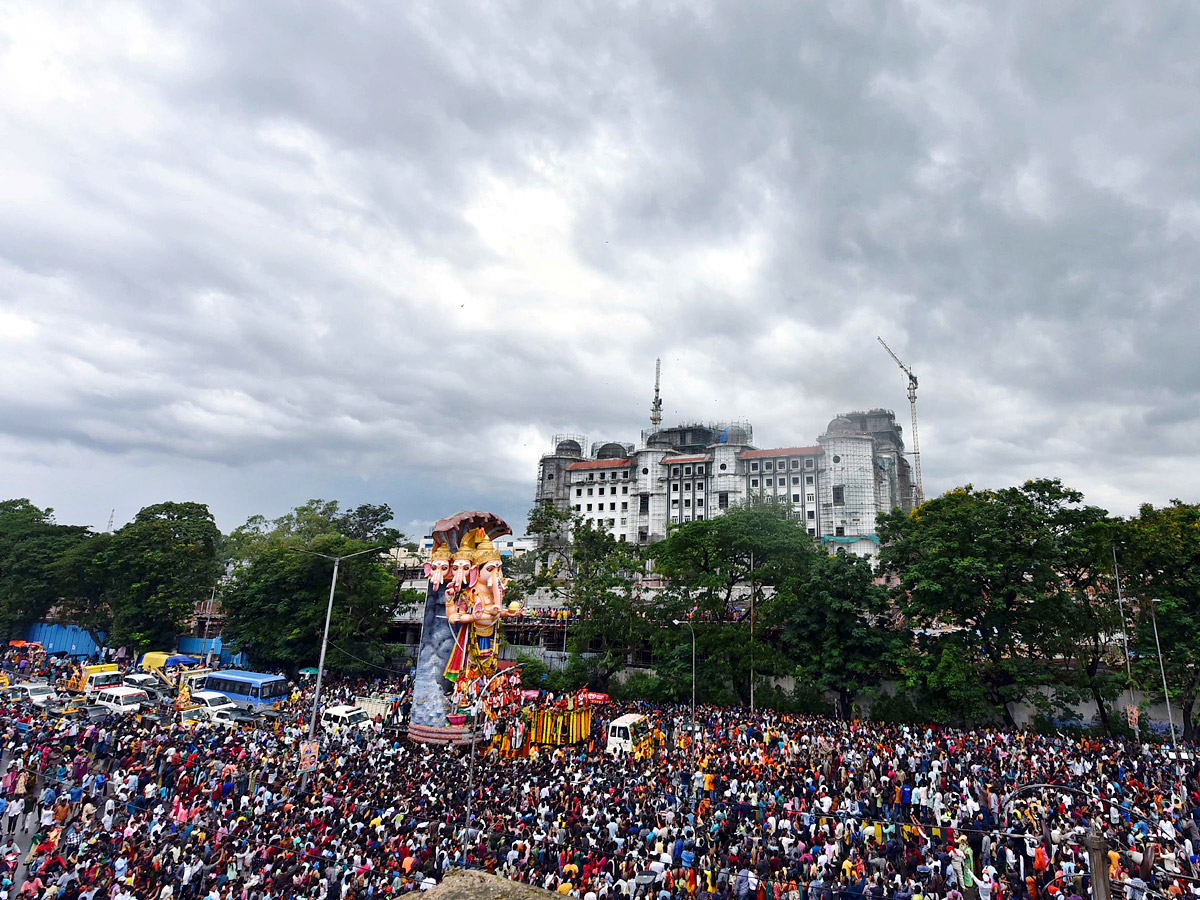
x=261, y=252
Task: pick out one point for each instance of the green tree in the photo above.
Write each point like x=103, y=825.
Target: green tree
x=159, y=566
x=275, y=606
x=710, y=569
x=589, y=571
x=836, y=627
x=1160, y=559
x=30, y=545
x=82, y=571
x=981, y=577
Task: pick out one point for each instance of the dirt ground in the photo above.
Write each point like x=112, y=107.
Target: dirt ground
x=460, y=884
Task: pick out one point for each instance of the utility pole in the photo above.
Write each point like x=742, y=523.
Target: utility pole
x=1097, y=849
x=1125, y=641
x=912, y=403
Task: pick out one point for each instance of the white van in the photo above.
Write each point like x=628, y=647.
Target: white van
x=123, y=700
x=337, y=718
x=210, y=702
x=626, y=734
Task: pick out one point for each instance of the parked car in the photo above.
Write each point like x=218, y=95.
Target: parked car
x=337, y=718
x=232, y=718
x=123, y=700
x=85, y=712
x=39, y=693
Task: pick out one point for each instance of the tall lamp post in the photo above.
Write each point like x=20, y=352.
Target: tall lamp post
x=1154, y=601
x=312, y=720
x=478, y=707
x=693, y=631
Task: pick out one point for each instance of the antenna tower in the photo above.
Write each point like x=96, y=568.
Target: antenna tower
x=912, y=402
x=656, y=405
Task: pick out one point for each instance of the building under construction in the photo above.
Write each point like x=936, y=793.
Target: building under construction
x=688, y=472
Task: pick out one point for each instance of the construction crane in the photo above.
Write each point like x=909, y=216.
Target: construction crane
x=656, y=405
x=912, y=402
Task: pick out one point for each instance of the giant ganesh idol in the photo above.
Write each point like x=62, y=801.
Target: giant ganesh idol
x=464, y=606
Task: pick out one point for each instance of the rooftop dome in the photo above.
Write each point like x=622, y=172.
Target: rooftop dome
x=568, y=448
x=611, y=450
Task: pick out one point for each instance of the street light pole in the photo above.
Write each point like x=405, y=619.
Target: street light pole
x=693, y=631
x=312, y=721
x=475, y=729
x=1162, y=669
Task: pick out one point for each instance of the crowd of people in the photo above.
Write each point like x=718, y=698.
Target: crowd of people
x=760, y=806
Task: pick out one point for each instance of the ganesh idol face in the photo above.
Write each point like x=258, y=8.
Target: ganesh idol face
x=459, y=570
x=491, y=572
x=437, y=572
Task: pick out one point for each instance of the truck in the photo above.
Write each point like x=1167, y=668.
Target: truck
x=385, y=706
x=91, y=680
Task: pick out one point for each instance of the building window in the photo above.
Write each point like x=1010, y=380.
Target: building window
x=624, y=489
x=687, y=470
x=675, y=503
x=549, y=476
x=687, y=503
x=808, y=479
x=675, y=470
x=724, y=467
x=625, y=474
x=836, y=460
x=782, y=464
x=576, y=507
x=699, y=501
x=839, y=495
x=622, y=522
x=812, y=514
x=753, y=467
x=839, y=531
x=645, y=471
x=795, y=498
x=687, y=486
x=811, y=497
x=699, y=518
x=700, y=486
x=795, y=463
x=578, y=492
x=600, y=492
x=699, y=470
x=753, y=482
x=622, y=538
x=601, y=476
x=722, y=501
x=612, y=507
x=812, y=531
x=591, y=491
x=644, y=505
x=808, y=463
x=591, y=476
x=624, y=506
x=589, y=509
x=674, y=487
x=767, y=466
x=795, y=479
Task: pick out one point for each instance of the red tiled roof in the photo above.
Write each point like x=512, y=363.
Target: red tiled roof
x=671, y=460
x=600, y=464
x=781, y=451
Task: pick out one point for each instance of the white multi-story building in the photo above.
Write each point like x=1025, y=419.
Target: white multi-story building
x=688, y=473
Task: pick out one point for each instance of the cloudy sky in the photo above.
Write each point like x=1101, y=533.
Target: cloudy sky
x=253, y=253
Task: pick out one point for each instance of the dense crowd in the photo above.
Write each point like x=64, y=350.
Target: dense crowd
x=763, y=806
